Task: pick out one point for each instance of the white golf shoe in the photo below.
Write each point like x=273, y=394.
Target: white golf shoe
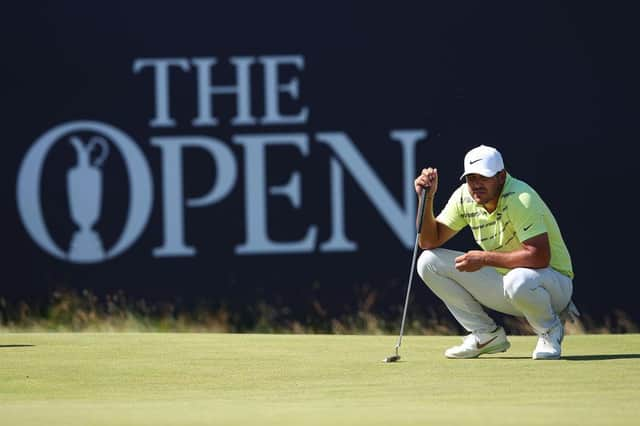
x=550, y=343
x=476, y=344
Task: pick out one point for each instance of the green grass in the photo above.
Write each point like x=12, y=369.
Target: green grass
x=230, y=379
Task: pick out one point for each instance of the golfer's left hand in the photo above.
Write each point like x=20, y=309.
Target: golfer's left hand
x=471, y=261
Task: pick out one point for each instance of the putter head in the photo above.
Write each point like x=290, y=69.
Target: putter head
x=392, y=358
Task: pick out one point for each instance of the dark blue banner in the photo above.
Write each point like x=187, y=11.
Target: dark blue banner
x=261, y=150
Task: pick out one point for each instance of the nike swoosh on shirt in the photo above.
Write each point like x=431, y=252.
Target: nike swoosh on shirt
x=482, y=345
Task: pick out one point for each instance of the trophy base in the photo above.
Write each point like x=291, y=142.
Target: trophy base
x=86, y=247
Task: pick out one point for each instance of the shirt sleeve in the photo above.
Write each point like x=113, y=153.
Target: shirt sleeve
x=526, y=214
x=452, y=213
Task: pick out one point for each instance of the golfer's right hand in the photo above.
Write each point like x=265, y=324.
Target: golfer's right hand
x=428, y=178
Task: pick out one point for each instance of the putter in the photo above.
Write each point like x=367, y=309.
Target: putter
x=423, y=200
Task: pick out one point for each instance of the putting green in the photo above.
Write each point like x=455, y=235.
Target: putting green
x=231, y=379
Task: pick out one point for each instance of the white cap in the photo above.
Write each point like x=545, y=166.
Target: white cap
x=483, y=160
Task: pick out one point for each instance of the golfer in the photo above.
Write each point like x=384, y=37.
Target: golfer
x=524, y=268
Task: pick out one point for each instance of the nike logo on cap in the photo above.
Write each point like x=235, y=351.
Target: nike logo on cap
x=527, y=227
x=474, y=161
x=482, y=345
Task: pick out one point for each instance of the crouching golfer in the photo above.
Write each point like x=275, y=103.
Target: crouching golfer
x=524, y=268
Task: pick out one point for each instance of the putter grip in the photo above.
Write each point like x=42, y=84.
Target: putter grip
x=423, y=202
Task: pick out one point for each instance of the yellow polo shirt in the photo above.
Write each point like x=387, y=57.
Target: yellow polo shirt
x=521, y=214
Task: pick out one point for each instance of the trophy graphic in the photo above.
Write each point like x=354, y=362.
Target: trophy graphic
x=84, y=188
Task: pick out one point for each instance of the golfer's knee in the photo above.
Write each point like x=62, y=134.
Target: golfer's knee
x=428, y=263
x=518, y=282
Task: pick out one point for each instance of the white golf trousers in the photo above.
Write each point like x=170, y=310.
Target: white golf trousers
x=536, y=294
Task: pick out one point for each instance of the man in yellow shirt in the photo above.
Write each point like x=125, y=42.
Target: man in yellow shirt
x=524, y=268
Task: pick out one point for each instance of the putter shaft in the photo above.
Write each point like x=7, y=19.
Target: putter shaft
x=423, y=201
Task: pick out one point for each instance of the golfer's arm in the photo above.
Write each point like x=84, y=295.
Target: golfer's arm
x=535, y=253
x=433, y=234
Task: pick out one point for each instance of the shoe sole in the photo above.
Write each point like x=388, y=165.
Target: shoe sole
x=545, y=357
x=502, y=347
x=498, y=348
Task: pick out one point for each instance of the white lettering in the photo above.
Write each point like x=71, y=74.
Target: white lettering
x=242, y=90
x=257, y=240
x=173, y=212
x=161, y=74
x=273, y=88
x=401, y=221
